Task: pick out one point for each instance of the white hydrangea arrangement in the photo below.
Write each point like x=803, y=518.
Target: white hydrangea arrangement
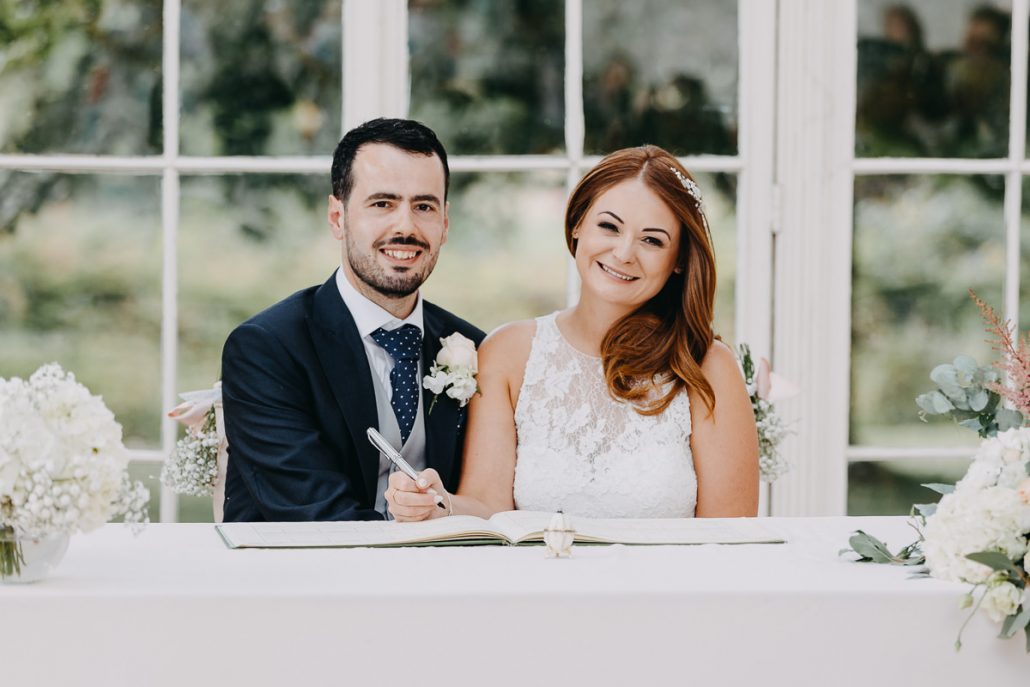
x=765, y=387
x=978, y=532
x=63, y=467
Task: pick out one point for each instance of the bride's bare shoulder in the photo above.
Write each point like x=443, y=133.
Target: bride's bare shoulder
x=507, y=347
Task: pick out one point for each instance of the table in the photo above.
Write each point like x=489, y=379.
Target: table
x=174, y=606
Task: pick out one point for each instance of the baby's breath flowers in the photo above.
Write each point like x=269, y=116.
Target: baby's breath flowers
x=765, y=387
x=193, y=467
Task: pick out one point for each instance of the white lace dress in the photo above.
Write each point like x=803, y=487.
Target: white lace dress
x=582, y=452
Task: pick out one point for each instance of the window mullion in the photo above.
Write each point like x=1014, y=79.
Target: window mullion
x=1017, y=155
x=169, y=231
x=815, y=127
x=575, y=126
x=375, y=60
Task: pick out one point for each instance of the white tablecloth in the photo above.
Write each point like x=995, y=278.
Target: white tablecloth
x=174, y=606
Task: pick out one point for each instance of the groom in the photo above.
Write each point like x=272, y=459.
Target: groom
x=303, y=380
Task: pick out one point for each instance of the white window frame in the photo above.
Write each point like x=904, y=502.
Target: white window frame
x=374, y=82
x=817, y=169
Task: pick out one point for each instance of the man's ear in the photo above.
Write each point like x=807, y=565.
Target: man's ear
x=335, y=216
x=446, y=221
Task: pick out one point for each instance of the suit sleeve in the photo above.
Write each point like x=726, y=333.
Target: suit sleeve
x=274, y=440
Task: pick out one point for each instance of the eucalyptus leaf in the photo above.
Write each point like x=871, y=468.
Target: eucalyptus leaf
x=869, y=547
x=944, y=375
x=973, y=424
x=957, y=396
x=1014, y=623
x=966, y=367
x=926, y=509
x=939, y=487
x=961, y=400
x=978, y=399
x=940, y=403
x=988, y=375
x=926, y=404
x=1008, y=419
x=995, y=561
x=1027, y=631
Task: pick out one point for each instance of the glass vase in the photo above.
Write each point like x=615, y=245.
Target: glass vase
x=28, y=559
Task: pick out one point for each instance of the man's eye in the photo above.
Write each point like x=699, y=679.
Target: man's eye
x=381, y=204
x=424, y=207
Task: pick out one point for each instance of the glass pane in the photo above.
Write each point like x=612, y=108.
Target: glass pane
x=81, y=77
x=260, y=77
x=245, y=242
x=505, y=257
x=80, y=284
x=920, y=242
x=933, y=78
x=488, y=75
x=893, y=487
x=720, y=203
x=195, y=509
x=662, y=72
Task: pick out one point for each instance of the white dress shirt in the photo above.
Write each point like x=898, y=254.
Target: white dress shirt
x=369, y=317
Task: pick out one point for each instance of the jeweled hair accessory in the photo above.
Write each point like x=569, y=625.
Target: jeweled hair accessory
x=693, y=189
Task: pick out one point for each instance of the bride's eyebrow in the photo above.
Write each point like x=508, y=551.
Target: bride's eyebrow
x=609, y=212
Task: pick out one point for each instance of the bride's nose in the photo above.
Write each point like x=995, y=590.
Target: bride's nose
x=624, y=250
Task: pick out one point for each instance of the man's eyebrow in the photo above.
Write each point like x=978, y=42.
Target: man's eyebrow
x=383, y=196
x=609, y=212
x=669, y=236
x=425, y=197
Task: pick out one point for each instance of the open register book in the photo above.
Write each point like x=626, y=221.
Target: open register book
x=511, y=528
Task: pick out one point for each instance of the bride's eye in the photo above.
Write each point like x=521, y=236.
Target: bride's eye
x=608, y=226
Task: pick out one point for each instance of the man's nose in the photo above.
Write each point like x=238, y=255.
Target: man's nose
x=405, y=221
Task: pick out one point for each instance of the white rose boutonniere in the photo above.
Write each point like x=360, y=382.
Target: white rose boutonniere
x=454, y=370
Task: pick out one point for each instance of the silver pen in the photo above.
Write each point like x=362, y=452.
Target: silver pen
x=380, y=442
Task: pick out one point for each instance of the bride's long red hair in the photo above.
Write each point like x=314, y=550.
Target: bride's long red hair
x=666, y=338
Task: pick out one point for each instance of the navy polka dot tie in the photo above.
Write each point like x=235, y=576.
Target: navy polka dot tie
x=404, y=345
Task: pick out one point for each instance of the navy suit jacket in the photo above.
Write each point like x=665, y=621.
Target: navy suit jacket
x=298, y=397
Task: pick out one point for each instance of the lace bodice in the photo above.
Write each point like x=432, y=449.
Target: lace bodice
x=584, y=453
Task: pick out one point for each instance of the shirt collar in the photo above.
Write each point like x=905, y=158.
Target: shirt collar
x=369, y=316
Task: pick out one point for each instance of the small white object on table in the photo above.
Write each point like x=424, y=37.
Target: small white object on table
x=175, y=606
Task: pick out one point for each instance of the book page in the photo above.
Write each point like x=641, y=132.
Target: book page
x=522, y=525
x=456, y=528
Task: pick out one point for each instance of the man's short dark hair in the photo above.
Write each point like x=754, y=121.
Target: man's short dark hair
x=405, y=134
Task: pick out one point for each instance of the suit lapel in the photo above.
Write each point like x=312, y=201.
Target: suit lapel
x=342, y=355
x=442, y=423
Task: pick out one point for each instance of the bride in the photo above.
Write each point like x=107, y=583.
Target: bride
x=624, y=405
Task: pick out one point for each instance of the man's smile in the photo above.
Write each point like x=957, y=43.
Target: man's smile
x=403, y=256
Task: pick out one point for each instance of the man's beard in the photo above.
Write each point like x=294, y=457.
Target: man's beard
x=370, y=272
